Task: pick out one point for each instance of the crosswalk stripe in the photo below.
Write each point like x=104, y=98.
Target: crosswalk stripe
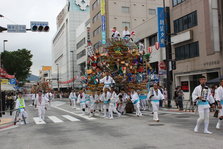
x=71, y=118
x=80, y=115
x=55, y=119
x=38, y=120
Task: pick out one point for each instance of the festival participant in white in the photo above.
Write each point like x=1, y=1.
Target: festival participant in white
x=123, y=97
x=49, y=96
x=135, y=100
x=112, y=104
x=81, y=100
x=126, y=33
x=94, y=99
x=106, y=97
x=115, y=33
x=202, y=96
x=155, y=96
x=73, y=99
x=41, y=104
x=219, y=99
x=107, y=80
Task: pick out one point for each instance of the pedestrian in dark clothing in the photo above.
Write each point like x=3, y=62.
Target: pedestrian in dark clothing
x=180, y=96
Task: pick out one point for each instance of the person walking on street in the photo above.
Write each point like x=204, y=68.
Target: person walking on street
x=41, y=104
x=219, y=99
x=180, y=97
x=202, y=96
x=20, y=106
x=73, y=99
x=155, y=96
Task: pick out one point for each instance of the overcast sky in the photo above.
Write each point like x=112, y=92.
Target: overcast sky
x=22, y=12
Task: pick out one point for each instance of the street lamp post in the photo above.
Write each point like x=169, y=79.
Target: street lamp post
x=58, y=77
x=72, y=67
x=4, y=41
x=1, y=104
x=168, y=54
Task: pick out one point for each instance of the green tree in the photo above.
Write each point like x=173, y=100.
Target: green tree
x=17, y=63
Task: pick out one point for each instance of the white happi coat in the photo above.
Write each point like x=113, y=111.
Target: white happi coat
x=115, y=34
x=72, y=96
x=114, y=99
x=81, y=100
x=105, y=98
x=107, y=80
x=135, y=98
x=44, y=101
x=94, y=100
x=207, y=96
x=219, y=97
x=157, y=96
x=126, y=33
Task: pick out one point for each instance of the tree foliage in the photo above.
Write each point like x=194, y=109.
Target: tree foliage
x=17, y=63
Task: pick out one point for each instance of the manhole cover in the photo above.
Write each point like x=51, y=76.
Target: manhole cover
x=156, y=124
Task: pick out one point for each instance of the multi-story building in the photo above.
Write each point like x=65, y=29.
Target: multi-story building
x=197, y=47
x=83, y=41
x=64, y=42
x=119, y=13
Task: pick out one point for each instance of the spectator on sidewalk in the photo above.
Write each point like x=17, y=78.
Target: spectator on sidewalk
x=180, y=97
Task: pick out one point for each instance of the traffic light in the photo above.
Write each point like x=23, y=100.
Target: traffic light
x=39, y=26
x=174, y=65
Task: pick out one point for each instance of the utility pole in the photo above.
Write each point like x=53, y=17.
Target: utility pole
x=72, y=52
x=168, y=54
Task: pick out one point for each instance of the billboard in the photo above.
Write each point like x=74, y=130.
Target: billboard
x=161, y=26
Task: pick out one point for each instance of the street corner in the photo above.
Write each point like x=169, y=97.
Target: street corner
x=6, y=123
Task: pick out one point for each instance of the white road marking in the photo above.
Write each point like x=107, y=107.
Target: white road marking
x=55, y=119
x=57, y=103
x=71, y=118
x=38, y=120
x=80, y=115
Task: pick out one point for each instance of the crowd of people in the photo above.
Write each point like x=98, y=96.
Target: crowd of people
x=109, y=101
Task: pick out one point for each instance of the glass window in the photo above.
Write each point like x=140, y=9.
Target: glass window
x=185, y=22
x=125, y=9
x=125, y=24
x=152, y=11
x=187, y=51
x=152, y=40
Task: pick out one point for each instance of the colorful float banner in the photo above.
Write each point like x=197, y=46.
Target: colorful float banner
x=103, y=20
x=161, y=26
x=102, y=7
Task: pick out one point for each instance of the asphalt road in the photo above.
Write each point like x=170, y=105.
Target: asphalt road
x=174, y=131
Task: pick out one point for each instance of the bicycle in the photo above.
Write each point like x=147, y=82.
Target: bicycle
x=16, y=117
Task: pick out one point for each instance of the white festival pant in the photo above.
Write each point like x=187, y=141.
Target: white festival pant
x=155, y=106
x=105, y=107
x=41, y=112
x=136, y=104
x=203, y=111
x=112, y=108
x=143, y=104
x=219, y=115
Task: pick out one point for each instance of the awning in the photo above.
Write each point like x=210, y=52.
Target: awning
x=215, y=81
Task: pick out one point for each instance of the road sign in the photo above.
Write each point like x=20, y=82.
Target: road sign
x=12, y=81
x=16, y=28
x=37, y=23
x=162, y=65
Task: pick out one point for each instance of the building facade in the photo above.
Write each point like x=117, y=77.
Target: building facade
x=119, y=13
x=196, y=47
x=64, y=43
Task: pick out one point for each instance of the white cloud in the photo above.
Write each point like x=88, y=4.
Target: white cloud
x=22, y=12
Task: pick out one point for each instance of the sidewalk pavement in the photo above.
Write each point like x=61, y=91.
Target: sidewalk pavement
x=6, y=121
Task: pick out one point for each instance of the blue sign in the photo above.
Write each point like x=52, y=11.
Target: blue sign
x=16, y=28
x=161, y=26
x=12, y=81
x=103, y=29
